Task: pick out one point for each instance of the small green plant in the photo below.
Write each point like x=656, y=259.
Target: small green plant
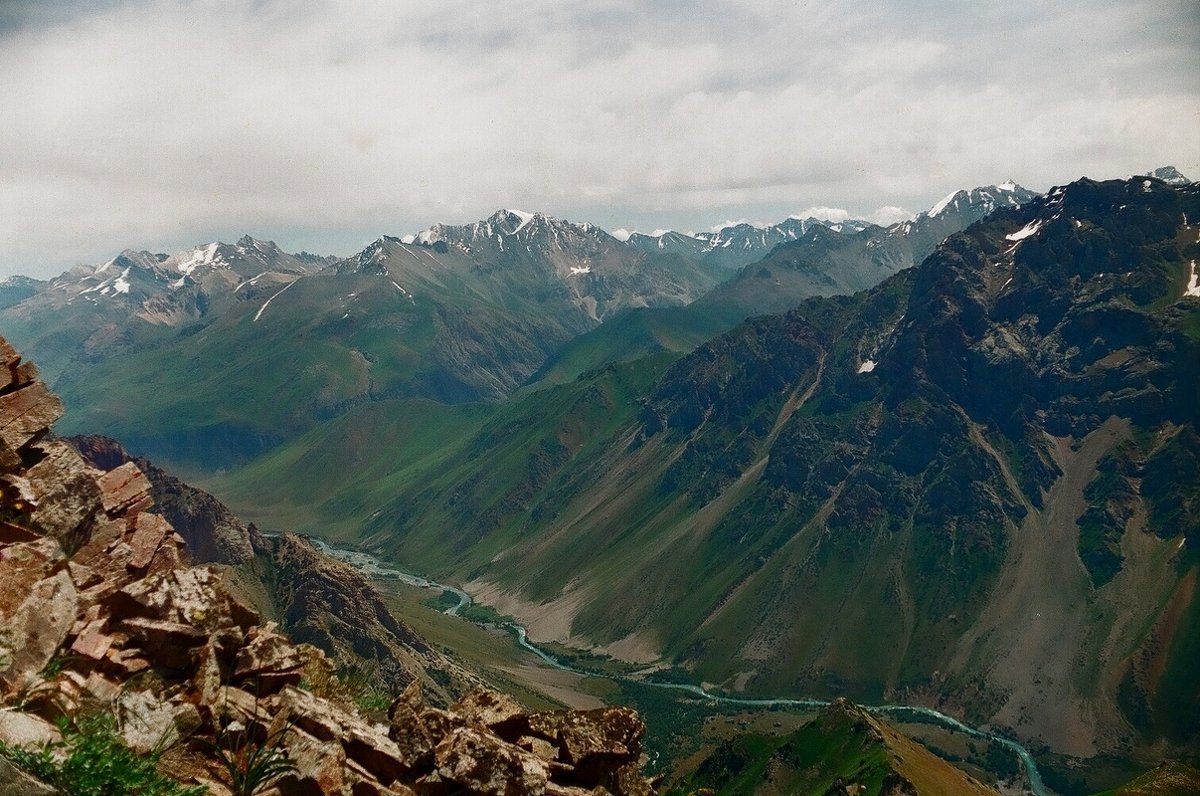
x=361, y=686
x=251, y=764
x=372, y=701
x=92, y=760
x=57, y=663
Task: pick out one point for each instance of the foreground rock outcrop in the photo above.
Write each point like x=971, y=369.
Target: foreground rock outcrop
x=316, y=598
x=102, y=613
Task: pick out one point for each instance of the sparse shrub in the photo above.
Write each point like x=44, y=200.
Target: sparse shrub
x=251, y=764
x=94, y=761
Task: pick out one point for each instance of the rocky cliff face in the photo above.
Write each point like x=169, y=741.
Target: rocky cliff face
x=101, y=614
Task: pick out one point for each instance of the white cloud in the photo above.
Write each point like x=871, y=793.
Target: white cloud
x=734, y=222
x=323, y=123
x=890, y=214
x=827, y=213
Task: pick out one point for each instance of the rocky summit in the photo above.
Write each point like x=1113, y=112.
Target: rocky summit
x=105, y=622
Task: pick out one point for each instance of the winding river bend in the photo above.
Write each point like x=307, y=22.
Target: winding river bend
x=372, y=567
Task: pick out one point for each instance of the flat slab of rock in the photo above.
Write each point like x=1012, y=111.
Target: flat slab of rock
x=124, y=490
x=184, y=596
x=27, y=413
x=149, y=532
x=24, y=730
x=65, y=493
x=35, y=631
x=486, y=708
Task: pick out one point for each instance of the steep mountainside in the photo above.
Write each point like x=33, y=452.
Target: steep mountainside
x=514, y=256
x=16, y=289
x=736, y=245
x=882, y=495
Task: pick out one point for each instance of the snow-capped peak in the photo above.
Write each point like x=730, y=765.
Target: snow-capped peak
x=1170, y=175
x=202, y=255
x=943, y=204
x=523, y=216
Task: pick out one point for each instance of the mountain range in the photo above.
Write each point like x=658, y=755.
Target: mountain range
x=453, y=314
x=951, y=461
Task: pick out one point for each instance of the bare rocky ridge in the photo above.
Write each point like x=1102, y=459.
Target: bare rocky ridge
x=95, y=584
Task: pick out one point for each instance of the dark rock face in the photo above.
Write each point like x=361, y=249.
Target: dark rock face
x=938, y=408
x=332, y=606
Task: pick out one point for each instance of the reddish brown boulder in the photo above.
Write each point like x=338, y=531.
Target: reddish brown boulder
x=192, y=596
x=411, y=736
x=167, y=644
x=33, y=632
x=149, y=531
x=65, y=493
x=320, y=766
x=486, y=708
x=92, y=644
x=21, y=566
x=483, y=764
x=268, y=659
x=27, y=413
x=124, y=490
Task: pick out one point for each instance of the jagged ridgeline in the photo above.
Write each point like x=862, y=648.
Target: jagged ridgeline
x=974, y=484
x=208, y=357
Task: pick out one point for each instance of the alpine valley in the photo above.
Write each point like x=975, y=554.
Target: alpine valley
x=951, y=463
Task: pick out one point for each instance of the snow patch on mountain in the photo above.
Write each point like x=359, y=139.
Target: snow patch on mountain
x=1026, y=231
x=524, y=217
x=267, y=303
x=205, y=255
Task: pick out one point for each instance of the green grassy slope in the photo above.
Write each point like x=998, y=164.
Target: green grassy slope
x=843, y=751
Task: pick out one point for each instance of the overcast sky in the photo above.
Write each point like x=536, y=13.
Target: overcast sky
x=321, y=125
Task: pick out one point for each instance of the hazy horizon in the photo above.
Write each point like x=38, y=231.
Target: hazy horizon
x=161, y=124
